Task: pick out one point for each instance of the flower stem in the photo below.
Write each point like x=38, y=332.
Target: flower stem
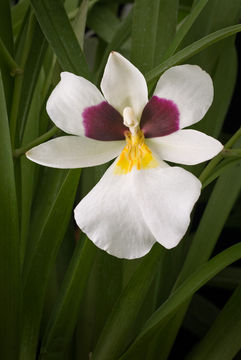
x=35, y=142
x=231, y=152
x=215, y=161
x=10, y=62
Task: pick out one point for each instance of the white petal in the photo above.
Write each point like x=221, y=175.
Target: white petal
x=166, y=197
x=69, y=152
x=68, y=100
x=190, y=88
x=124, y=85
x=111, y=218
x=187, y=147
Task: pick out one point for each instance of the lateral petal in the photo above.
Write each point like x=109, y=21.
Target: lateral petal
x=188, y=147
x=190, y=88
x=68, y=100
x=69, y=152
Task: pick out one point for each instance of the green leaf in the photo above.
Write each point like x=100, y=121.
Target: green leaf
x=23, y=46
x=41, y=260
x=184, y=28
x=114, y=338
x=153, y=27
x=7, y=38
x=79, y=22
x=118, y=39
x=9, y=244
x=191, y=50
x=216, y=15
x=224, y=79
x=18, y=12
x=194, y=282
x=229, y=278
x=33, y=65
x=65, y=314
x=28, y=168
x=225, y=165
x=104, y=287
x=56, y=27
x=200, y=315
x=223, y=339
x=103, y=21
x=216, y=213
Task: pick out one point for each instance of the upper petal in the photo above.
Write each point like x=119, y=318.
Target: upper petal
x=166, y=197
x=69, y=99
x=190, y=88
x=124, y=85
x=160, y=117
x=103, y=122
x=111, y=218
x=69, y=152
x=187, y=147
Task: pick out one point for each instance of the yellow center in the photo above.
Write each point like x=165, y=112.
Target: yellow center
x=135, y=154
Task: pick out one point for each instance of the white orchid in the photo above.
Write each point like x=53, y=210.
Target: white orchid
x=140, y=199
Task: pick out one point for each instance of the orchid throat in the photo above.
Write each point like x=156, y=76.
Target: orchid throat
x=136, y=154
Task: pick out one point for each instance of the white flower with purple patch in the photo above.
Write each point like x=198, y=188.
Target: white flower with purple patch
x=140, y=199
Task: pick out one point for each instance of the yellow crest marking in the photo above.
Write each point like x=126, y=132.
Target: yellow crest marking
x=135, y=154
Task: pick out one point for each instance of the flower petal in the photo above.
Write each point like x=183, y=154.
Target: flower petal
x=124, y=85
x=190, y=88
x=166, y=197
x=111, y=218
x=103, y=122
x=160, y=117
x=69, y=152
x=68, y=100
x=187, y=147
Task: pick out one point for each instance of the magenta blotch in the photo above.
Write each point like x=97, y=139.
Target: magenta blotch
x=160, y=117
x=103, y=122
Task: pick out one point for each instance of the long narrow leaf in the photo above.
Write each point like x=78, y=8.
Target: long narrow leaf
x=114, y=337
x=118, y=39
x=150, y=35
x=32, y=68
x=103, y=21
x=62, y=322
x=185, y=27
x=41, y=261
x=223, y=339
x=59, y=33
x=7, y=38
x=191, y=50
x=9, y=243
x=183, y=293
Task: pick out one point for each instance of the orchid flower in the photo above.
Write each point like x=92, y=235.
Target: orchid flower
x=140, y=199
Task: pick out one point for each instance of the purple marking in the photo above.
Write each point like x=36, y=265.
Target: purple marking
x=103, y=122
x=160, y=117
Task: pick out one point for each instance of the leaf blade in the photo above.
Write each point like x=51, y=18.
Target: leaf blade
x=9, y=243
x=191, y=50
x=56, y=26
x=184, y=292
x=42, y=257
